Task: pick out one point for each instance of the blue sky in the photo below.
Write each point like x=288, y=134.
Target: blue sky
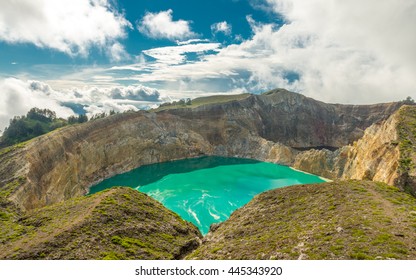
x=200, y=15
x=92, y=56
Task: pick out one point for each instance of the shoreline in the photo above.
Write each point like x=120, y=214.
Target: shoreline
x=320, y=177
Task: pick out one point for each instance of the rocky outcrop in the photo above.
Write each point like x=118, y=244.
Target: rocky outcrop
x=373, y=157
x=386, y=153
x=340, y=220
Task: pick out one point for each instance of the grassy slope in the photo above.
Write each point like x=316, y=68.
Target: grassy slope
x=407, y=145
x=341, y=220
x=215, y=99
x=120, y=223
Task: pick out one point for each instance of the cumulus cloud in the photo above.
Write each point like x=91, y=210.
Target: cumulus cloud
x=137, y=93
x=68, y=26
x=350, y=50
x=162, y=26
x=117, y=53
x=18, y=97
x=221, y=27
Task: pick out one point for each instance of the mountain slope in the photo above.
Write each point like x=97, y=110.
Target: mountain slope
x=120, y=223
x=340, y=220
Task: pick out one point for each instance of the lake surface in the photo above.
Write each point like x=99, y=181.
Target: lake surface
x=207, y=190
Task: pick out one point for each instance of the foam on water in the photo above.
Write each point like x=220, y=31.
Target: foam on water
x=207, y=190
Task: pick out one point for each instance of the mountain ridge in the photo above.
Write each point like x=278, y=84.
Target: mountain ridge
x=370, y=142
x=64, y=163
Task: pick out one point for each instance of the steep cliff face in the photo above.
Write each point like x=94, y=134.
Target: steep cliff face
x=373, y=157
x=64, y=163
x=385, y=153
x=295, y=120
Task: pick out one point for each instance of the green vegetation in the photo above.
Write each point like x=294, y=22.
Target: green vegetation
x=119, y=223
x=406, y=128
x=200, y=101
x=36, y=122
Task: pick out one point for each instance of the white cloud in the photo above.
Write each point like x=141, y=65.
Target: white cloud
x=162, y=26
x=337, y=51
x=18, y=97
x=192, y=41
x=342, y=51
x=103, y=99
x=68, y=26
x=117, y=53
x=177, y=54
x=137, y=93
x=221, y=27
x=350, y=51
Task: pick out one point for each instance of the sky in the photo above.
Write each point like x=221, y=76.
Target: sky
x=92, y=56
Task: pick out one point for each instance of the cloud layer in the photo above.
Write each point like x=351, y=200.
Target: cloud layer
x=68, y=26
x=162, y=26
x=18, y=97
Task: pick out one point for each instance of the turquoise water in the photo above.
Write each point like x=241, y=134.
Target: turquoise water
x=207, y=190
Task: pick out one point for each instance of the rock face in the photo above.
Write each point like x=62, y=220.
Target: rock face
x=341, y=220
x=373, y=157
x=386, y=153
x=64, y=163
x=120, y=223
x=293, y=119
